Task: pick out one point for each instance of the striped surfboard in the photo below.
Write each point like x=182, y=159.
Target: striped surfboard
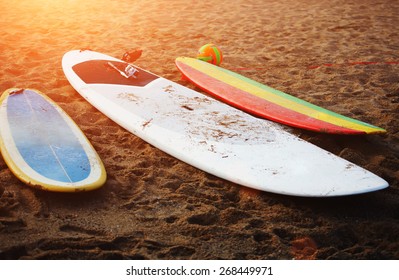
x=266, y=102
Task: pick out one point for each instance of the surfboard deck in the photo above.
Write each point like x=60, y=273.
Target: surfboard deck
x=211, y=135
x=266, y=102
x=42, y=145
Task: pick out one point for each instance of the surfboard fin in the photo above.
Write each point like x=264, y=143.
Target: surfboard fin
x=132, y=55
x=17, y=91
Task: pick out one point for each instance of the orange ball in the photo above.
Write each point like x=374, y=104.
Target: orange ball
x=210, y=53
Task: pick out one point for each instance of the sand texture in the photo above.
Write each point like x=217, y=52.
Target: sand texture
x=341, y=55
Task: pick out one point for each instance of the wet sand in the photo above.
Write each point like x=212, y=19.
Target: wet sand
x=341, y=55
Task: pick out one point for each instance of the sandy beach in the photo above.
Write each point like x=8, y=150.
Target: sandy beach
x=341, y=55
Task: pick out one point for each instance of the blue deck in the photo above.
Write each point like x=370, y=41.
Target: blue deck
x=44, y=139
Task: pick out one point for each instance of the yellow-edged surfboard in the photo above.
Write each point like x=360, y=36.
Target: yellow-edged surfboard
x=42, y=145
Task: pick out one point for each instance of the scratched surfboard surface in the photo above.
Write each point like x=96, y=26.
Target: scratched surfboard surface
x=209, y=134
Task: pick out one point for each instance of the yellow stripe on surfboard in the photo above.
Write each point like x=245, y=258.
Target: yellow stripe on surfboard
x=280, y=98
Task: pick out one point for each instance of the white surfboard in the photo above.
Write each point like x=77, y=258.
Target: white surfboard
x=210, y=135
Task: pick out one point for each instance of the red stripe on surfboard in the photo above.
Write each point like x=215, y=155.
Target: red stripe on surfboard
x=258, y=106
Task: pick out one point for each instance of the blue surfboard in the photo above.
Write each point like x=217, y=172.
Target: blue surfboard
x=42, y=145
